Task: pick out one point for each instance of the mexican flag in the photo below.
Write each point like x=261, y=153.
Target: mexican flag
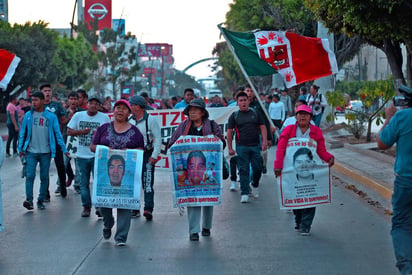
x=8, y=65
x=296, y=58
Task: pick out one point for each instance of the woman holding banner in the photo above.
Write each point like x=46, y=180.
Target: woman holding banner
x=119, y=134
x=198, y=124
x=302, y=129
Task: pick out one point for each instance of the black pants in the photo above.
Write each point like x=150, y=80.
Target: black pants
x=13, y=136
x=233, y=168
x=59, y=162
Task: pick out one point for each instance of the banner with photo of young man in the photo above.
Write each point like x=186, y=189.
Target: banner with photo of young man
x=117, y=178
x=196, y=176
x=306, y=179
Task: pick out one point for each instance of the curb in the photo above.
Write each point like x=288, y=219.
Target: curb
x=377, y=186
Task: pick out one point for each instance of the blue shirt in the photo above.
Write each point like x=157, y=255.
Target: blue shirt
x=399, y=131
x=181, y=104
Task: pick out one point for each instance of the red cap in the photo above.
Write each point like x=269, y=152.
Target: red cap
x=123, y=101
x=304, y=108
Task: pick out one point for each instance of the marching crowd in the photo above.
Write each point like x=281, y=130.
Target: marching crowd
x=40, y=127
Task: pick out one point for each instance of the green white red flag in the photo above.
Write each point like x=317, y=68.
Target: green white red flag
x=8, y=65
x=296, y=58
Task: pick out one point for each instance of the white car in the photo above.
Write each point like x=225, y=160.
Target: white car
x=355, y=106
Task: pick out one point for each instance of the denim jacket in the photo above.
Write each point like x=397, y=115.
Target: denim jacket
x=54, y=132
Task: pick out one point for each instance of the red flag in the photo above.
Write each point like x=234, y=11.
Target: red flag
x=8, y=65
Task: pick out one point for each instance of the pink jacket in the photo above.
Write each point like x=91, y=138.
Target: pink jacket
x=290, y=132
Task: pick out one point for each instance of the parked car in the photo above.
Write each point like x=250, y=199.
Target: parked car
x=355, y=106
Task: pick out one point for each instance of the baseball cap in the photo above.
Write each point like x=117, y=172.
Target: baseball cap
x=123, y=101
x=304, y=108
x=138, y=100
x=94, y=98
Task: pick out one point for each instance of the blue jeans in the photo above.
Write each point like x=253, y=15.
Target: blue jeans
x=249, y=156
x=317, y=119
x=44, y=160
x=402, y=223
x=85, y=168
x=304, y=217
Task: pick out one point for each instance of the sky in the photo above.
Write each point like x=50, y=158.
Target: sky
x=189, y=25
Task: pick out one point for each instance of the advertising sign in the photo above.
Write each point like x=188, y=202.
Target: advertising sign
x=119, y=26
x=100, y=10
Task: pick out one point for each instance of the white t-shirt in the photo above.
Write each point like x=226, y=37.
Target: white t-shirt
x=80, y=121
x=277, y=110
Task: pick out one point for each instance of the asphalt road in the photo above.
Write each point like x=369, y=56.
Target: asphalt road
x=348, y=236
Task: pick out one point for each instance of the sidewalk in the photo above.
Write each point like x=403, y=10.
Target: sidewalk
x=370, y=171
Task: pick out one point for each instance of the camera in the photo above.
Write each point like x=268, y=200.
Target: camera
x=405, y=99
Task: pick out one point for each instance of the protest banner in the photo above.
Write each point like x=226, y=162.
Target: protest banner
x=71, y=145
x=196, y=177
x=117, y=178
x=306, y=179
x=169, y=119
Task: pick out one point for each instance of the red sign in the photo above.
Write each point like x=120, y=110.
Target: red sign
x=100, y=10
x=156, y=50
x=149, y=70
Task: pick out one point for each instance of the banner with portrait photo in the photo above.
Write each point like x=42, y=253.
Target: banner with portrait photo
x=117, y=178
x=306, y=179
x=196, y=176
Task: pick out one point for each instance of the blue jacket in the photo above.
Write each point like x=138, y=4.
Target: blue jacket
x=54, y=132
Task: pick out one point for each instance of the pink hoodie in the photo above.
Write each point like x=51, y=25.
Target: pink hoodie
x=290, y=132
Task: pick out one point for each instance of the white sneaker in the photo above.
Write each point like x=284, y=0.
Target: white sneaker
x=244, y=198
x=233, y=186
x=254, y=191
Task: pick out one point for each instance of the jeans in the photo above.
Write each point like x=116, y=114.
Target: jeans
x=123, y=222
x=249, y=156
x=85, y=167
x=147, y=182
x=44, y=160
x=13, y=136
x=317, y=119
x=402, y=223
x=193, y=216
x=304, y=217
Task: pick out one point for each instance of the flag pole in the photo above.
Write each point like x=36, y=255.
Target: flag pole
x=246, y=76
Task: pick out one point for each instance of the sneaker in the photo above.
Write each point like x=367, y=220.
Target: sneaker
x=69, y=182
x=40, y=205
x=63, y=192
x=233, y=186
x=135, y=213
x=28, y=205
x=15, y=155
x=107, y=233
x=76, y=188
x=57, y=192
x=148, y=215
x=264, y=170
x=86, y=211
x=255, y=191
x=98, y=214
x=244, y=198
x=297, y=227
x=46, y=199
x=194, y=237
x=205, y=232
x=305, y=232
x=120, y=243
x=8, y=155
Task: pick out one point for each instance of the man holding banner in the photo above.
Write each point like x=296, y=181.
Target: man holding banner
x=302, y=178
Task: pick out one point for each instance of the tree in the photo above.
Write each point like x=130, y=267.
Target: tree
x=121, y=63
x=383, y=24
